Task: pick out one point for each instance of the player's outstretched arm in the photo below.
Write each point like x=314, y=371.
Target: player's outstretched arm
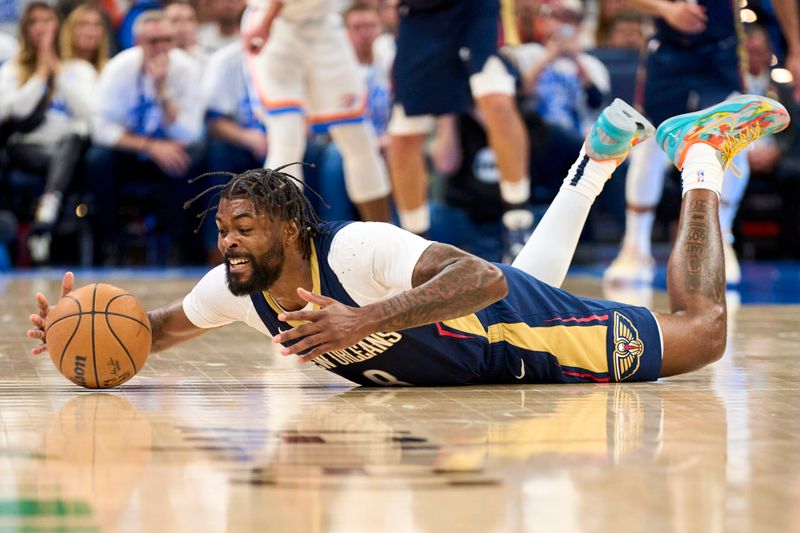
x=169, y=324
x=447, y=283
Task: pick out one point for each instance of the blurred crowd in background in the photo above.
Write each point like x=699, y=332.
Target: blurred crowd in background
x=155, y=93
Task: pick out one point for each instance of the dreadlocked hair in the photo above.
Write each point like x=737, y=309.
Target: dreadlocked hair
x=277, y=192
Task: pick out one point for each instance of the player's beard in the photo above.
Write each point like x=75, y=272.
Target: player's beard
x=264, y=271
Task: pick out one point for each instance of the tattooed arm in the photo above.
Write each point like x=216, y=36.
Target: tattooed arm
x=447, y=283
x=170, y=326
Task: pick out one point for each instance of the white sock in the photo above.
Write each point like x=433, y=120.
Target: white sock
x=701, y=169
x=548, y=253
x=587, y=176
x=515, y=192
x=638, y=230
x=416, y=220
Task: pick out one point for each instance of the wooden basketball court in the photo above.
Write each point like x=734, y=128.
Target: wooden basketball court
x=222, y=434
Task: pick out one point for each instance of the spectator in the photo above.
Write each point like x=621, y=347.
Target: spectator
x=49, y=101
x=111, y=12
x=236, y=137
x=607, y=12
x=125, y=33
x=223, y=27
x=363, y=28
x=561, y=83
x=625, y=31
x=84, y=38
x=183, y=18
x=148, y=119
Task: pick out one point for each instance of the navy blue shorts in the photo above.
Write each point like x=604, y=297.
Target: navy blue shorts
x=683, y=79
x=438, y=50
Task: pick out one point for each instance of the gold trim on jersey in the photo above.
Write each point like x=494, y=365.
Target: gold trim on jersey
x=316, y=288
x=576, y=346
x=580, y=347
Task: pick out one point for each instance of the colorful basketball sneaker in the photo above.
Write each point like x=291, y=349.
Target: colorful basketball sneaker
x=619, y=128
x=729, y=127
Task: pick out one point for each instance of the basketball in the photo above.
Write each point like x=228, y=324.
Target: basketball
x=98, y=336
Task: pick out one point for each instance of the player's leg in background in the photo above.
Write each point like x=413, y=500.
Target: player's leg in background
x=733, y=188
x=407, y=168
x=337, y=92
x=665, y=86
x=493, y=88
x=644, y=184
x=548, y=253
x=366, y=177
x=287, y=140
x=694, y=333
x=278, y=76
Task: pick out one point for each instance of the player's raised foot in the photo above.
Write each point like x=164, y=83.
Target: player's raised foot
x=631, y=267
x=618, y=128
x=729, y=127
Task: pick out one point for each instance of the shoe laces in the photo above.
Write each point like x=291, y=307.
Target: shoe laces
x=733, y=144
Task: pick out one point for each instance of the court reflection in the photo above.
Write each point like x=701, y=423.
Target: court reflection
x=95, y=451
x=499, y=459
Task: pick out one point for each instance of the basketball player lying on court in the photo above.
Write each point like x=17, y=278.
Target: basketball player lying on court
x=378, y=305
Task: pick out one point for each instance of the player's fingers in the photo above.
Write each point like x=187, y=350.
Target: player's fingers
x=302, y=316
x=316, y=352
x=37, y=321
x=67, y=284
x=318, y=299
x=306, y=343
x=36, y=334
x=41, y=302
x=36, y=350
x=296, y=333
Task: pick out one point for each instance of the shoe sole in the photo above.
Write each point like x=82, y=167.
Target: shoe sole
x=621, y=114
x=730, y=112
x=623, y=118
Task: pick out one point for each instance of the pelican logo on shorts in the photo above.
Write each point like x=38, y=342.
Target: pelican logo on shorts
x=628, y=348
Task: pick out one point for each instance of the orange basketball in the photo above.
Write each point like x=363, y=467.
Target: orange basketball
x=98, y=336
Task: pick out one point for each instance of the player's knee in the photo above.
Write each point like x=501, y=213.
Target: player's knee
x=403, y=146
x=498, y=106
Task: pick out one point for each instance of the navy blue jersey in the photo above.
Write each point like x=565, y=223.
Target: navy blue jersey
x=536, y=334
x=723, y=23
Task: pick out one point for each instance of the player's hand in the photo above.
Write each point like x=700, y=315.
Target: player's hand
x=685, y=17
x=38, y=319
x=157, y=67
x=170, y=156
x=255, y=38
x=255, y=141
x=333, y=327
